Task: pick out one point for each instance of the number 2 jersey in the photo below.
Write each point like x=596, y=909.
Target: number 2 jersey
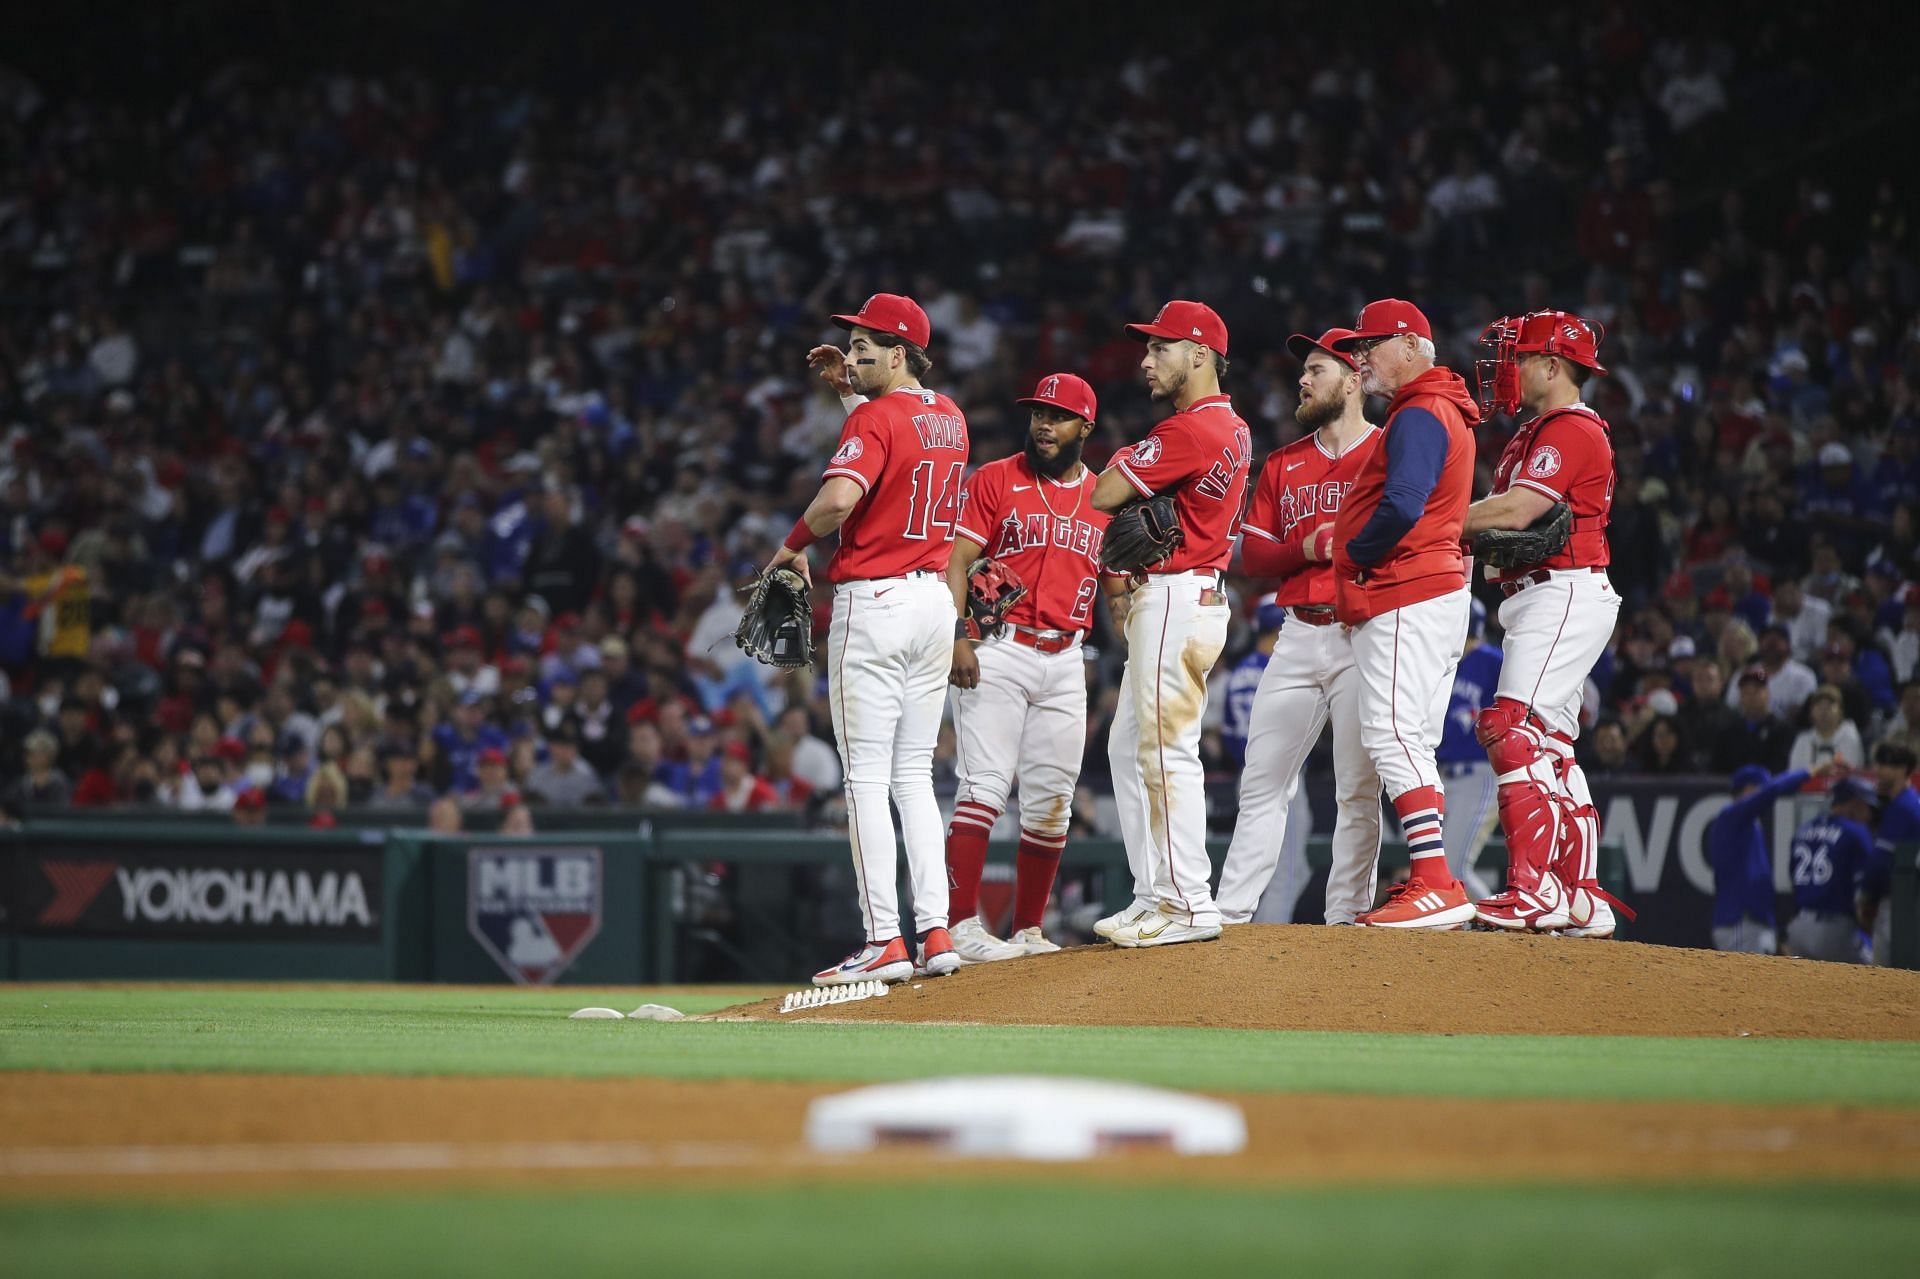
x=1045, y=531
x=908, y=453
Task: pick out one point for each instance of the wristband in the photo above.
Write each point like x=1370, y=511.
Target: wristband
x=1323, y=543
x=801, y=537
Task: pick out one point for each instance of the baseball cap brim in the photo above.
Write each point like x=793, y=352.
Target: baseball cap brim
x=1300, y=346
x=1052, y=404
x=1147, y=332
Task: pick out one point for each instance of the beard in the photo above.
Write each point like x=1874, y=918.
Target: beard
x=1370, y=383
x=1169, y=385
x=1063, y=460
x=1314, y=414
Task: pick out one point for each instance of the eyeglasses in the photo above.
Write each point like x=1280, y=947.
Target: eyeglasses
x=1362, y=349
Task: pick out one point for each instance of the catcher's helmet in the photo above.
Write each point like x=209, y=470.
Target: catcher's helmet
x=1560, y=333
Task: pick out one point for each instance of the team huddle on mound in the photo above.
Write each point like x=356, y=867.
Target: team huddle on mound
x=987, y=583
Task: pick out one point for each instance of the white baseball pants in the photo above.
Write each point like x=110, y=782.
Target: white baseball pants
x=1309, y=680
x=1173, y=639
x=888, y=654
x=1556, y=630
x=1406, y=659
x=1027, y=720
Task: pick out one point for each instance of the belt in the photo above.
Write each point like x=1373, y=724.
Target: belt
x=918, y=572
x=1316, y=616
x=1043, y=641
x=1514, y=585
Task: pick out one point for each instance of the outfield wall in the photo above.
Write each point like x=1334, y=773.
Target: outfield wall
x=657, y=903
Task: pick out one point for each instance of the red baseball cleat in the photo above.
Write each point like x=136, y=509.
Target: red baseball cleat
x=938, y=958
x=1415, y=904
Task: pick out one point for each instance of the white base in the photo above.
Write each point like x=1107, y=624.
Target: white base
x=1024, y=1117
x=596, y=1014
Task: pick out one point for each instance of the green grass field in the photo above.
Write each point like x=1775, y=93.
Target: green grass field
x=1045, y=1222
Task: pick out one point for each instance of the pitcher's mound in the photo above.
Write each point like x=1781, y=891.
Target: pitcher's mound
x=1274, y=977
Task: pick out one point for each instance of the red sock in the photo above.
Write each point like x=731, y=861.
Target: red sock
x=1420, y=811
x=1038, y=862
x=966, y=858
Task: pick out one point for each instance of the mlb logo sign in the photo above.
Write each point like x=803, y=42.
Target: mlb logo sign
x=534, y=910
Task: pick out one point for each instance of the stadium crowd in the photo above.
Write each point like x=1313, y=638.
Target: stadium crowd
x=370, y=440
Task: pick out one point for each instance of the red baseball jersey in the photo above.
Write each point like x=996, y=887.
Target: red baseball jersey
x=1567, y=454
x=1202, y=453
x=1045, y=531
x=1300, y=488
x=908, y=453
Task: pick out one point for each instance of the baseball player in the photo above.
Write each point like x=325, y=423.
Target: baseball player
x=1893, y=768
x=1176, y=625
x=1311, y=679
x=892, y=489
x=1834, y=862
x=1742, y=867
x=1558, y=615
x=1400, y=581
x=1464, y=769
x=1020, y=700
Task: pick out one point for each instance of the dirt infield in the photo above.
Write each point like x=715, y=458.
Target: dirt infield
x=1272, y=977
x=67, y=1134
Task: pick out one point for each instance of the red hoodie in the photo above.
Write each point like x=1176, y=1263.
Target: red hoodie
x=1427, y=561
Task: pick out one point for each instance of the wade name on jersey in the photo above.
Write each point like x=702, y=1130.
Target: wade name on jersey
x=940, y=431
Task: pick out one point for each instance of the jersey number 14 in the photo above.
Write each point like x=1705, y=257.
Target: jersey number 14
x=925, y=510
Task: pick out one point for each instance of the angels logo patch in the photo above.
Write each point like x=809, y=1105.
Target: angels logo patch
x=533, y=910
x=848, y=451
x=1544, y=462
x=1147, y=451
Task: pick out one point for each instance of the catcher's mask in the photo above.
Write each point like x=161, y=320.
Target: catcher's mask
x=1560, y=333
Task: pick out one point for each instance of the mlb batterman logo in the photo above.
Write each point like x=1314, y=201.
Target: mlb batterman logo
x=848, y=451
x=1544, y=462
x=535, y=909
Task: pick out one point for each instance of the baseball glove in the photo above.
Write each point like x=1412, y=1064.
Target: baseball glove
x=1141, y=535
x=993, y=589
x=777, y=627
x=1516, y=548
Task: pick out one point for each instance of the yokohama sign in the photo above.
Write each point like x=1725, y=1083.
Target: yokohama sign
x=242, y=894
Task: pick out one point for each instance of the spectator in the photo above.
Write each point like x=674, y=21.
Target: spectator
x=444, y=816
x=401, y=787
x=1710, y=721
x=1789, y=683
x=1904, y=727
x=565, y=780
x=43, y=785
x=1804, y=616
x=1661, y=749
x=492, y=789
x=518, y=822
x=1606, y=749
x=741, y=790
x=1761, y=737
x=814, y=761
x=1833, y=863
x=250, y=808
x=1829, y=737
x=1903, y=645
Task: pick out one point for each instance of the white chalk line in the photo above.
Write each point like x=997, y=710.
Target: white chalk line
x=426, y=1156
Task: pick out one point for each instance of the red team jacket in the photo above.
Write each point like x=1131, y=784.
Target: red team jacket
x=1427, y=562
x=1204, y=452
x=908, y=453
x=1045, y=531
x=1301, y=487
x=1566, y=454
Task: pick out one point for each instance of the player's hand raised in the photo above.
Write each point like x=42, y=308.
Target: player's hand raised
x=966, y=666
x=830, y=362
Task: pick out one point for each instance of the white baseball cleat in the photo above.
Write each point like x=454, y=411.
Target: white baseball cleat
x=975, y=945
x=1033, y=941
x=1542, y=909
x=1162, y=930
x=1590, y=915
x=886, y=961
x=1131, y=914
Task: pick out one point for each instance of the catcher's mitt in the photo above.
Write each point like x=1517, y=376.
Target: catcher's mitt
x=777, y=627
x=993, y=589
x=1518, y=547
x=1141, y=535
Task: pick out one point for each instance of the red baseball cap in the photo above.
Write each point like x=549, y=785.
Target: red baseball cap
x=1386, y=318
x=250, y=799
x=1064, y=391
x=891, y=313
x=461, y=637
x=1183, y=321
x=1301, y=345
x=493, y=755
